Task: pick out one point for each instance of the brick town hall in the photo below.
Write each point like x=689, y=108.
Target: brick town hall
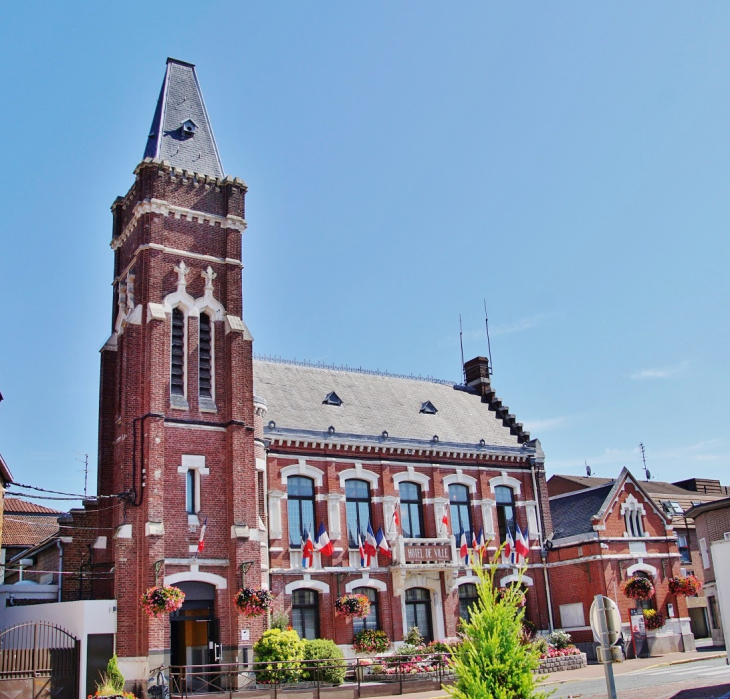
x=194, y=431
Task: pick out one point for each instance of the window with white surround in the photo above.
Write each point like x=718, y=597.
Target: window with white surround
x=633, y=511
x=704, y=553
x=572, y=616
x=192, y=467
x=206, y=362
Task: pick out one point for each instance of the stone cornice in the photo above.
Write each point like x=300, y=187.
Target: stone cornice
x=159, y=206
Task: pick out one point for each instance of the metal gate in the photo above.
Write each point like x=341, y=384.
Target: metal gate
x=38, y=660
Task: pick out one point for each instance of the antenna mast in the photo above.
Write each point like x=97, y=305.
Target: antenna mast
x=489, y=346
x=647, y=473
x=461, y=342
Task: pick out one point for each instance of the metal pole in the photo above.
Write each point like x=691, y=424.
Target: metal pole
x=606, y=647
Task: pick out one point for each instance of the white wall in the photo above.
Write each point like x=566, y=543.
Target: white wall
x=78, y=618
x=721, y=563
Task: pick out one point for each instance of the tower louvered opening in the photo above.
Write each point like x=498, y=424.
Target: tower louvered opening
x=205, y=364
x=177, y=354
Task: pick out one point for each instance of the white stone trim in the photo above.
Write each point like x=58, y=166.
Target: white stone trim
x=366, y=581
x=411, y=475
x=275, y=526
x=437, y=607
x=333, y=515
x=361, y=474
x=641, y=567
x=488, y=518
x=507, y=579
x=504, y=479
x=196, y=576
x=462, y=479
x=302, y=469
x=307, y=585
x=159, y=206
x=471, y=578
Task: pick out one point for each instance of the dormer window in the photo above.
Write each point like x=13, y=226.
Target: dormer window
x=332, y=399
x=188, y=128
x=428, y=408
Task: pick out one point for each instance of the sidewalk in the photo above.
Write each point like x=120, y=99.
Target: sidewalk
x=593, y=672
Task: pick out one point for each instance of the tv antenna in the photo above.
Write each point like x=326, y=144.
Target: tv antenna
x=647, y=472
x=489, y=346
x=461, y=342
x=588, y=469
x=85, y=462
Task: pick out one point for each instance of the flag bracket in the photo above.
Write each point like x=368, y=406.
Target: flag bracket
x=159, y=565
x=245, y=567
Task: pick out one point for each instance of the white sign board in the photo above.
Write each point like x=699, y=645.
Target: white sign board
x=721, y=564
x=612, y=623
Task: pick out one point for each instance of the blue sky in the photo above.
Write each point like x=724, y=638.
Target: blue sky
x=566, y=161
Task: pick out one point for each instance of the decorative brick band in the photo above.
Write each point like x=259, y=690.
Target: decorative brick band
x=159, y=206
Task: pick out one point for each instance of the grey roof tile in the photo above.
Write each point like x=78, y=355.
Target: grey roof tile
x=571, y=514
x=373, y=403
x=181, y=99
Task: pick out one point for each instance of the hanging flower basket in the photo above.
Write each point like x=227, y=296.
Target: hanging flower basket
x=162, y=600
x=351, y=606
x=638, y=588
x=653, y=619
x=688, y=586
x=252, y=602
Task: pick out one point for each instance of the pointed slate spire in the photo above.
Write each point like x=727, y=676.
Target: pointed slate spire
x=181, y=132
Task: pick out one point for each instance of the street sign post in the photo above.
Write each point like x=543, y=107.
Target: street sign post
x=606, y=626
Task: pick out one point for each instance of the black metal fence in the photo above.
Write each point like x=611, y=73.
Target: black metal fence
x=360, y=677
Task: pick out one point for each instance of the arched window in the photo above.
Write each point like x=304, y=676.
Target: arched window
x=300, y=508
x=467, y=597
x=418, y=611
x=177, y=353
x=305, y=613
x=370, y=622
x=460, y=510
x=505, y=511
x=205, y=357
x=357, y=493
x=411, y=509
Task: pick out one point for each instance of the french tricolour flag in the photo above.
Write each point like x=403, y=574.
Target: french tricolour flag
x=362, y=551
x=464, y=550
x=509, y=546
x=382, y=543
x=522, y=544
x=371, y=545
x=307, y=550
x=322, y=542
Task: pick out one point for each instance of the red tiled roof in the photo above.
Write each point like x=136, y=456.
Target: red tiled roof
x=18, y=505
x=27, y=531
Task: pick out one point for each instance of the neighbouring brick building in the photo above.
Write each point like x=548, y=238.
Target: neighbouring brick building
x=712, y=520
x=605, y=531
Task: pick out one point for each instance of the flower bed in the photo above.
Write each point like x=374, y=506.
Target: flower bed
x=371, y=641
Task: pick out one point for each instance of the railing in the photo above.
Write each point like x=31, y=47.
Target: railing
x=314, y=677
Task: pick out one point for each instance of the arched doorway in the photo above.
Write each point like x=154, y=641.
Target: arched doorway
x=194, y=628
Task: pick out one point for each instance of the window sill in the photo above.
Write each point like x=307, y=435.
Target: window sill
x=206, y=405
x=179, y=402
x=193, y=519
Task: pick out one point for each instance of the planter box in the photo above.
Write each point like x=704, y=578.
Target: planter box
x=562, y=663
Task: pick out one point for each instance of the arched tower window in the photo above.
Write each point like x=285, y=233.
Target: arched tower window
x=205, y=357
x=177, y=354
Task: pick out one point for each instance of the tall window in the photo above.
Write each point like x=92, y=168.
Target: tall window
x=370, y=622
x=357, y=493
x=460, y=510
x=418, y=611
x=191, y=491
x=305, y=613
x=411, y=510
x=177, y=354
x=205, y=358
x=633, y=519
x=683, y=545
x=300, y=508
x=467, y=597
x=505, y=511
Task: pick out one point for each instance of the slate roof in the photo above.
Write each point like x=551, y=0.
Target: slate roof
x=372, y=403
x=181, y=99
x=572, y=513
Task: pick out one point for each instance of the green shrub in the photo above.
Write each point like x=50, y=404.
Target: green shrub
x=333, y=671
x=541, y=645
x=112, y=681
x=274, y=647
x=559, y=639
x=371, y=641
x=492, y=662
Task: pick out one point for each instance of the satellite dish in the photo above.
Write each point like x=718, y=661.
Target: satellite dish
x=588, y=470
x=648, y=474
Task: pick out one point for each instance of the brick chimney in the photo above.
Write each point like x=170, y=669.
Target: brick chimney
x=476, y=372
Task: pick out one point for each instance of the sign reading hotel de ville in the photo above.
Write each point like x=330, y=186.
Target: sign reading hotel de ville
x=428, y=553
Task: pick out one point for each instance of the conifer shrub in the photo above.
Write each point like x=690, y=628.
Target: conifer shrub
x=492, y=662
x=332, y=671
